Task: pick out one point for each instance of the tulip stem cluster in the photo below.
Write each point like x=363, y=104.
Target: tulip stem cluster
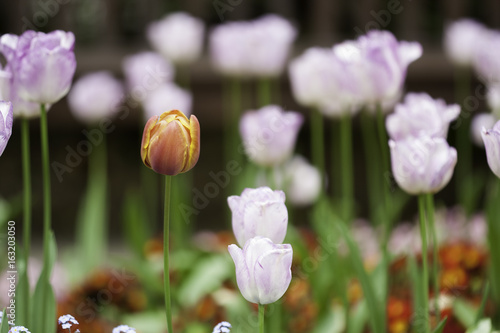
x=347, y=178
x=425, y=270
x=166, y=264
x=25, y=142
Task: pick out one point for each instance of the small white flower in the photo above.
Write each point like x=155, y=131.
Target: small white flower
x=222, y=327
x=19, y=329
x=123, y=329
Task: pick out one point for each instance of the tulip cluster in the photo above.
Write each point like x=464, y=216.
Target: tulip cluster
x=257, y=48
x=260, y=221
x=357, y=73
x=422, y=160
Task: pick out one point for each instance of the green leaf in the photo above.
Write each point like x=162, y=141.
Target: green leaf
x=22, y=294
x=43, y=304
x=440, y=327
x=358, y=318
x=4, y=326
x=149, y=321
x=91, y=220
x=484, y=299
x=207, y=276
x=377, y=321
x=417, y=289
x=464, y=312
x=135, y=230
x=483, y=326
x=332, y=322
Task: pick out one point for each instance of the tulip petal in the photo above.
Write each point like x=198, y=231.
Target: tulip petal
x=245, y=283
x=491, y=140
x=146, y=137
x=194, y=148
x=167, y=150
x=273, y=274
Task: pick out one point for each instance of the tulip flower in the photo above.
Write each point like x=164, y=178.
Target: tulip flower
x=146, y=71
x=259, y=212
x=422, y=165
x=461, y=40
x=491, y=138
x=420, y=114
x=486, y=61
x=257, y=48
x=6, y=120
x=269, y=134
x=263, y=269
x=480, y=121
x=167, y=95
x=95, y=96
x=44, y=64
x=386, y=60
x=178, y=37
x=171, y=143
x=302, y=182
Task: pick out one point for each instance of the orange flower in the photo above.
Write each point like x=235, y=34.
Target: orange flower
x=171, y=143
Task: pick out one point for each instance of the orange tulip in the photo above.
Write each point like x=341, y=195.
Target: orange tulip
x=171, y=143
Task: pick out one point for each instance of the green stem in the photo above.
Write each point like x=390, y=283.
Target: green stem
x=46, y=201
x=384, y=151
x=46, y=177
x=429, y=200
x=166, y=270
x=346, y=166
x=261, y=318
x=264, y=91
x=25, y=138
x=372, y=166
x=317, y=141
x=425, y=282
x=493, y=235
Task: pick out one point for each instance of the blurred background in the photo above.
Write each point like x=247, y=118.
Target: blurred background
x=108, y=30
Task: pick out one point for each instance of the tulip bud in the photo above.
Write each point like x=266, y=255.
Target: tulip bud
x=259, y=212
x=171, y=143
x=422, y=165
x=263, y=269
x=491, y=140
